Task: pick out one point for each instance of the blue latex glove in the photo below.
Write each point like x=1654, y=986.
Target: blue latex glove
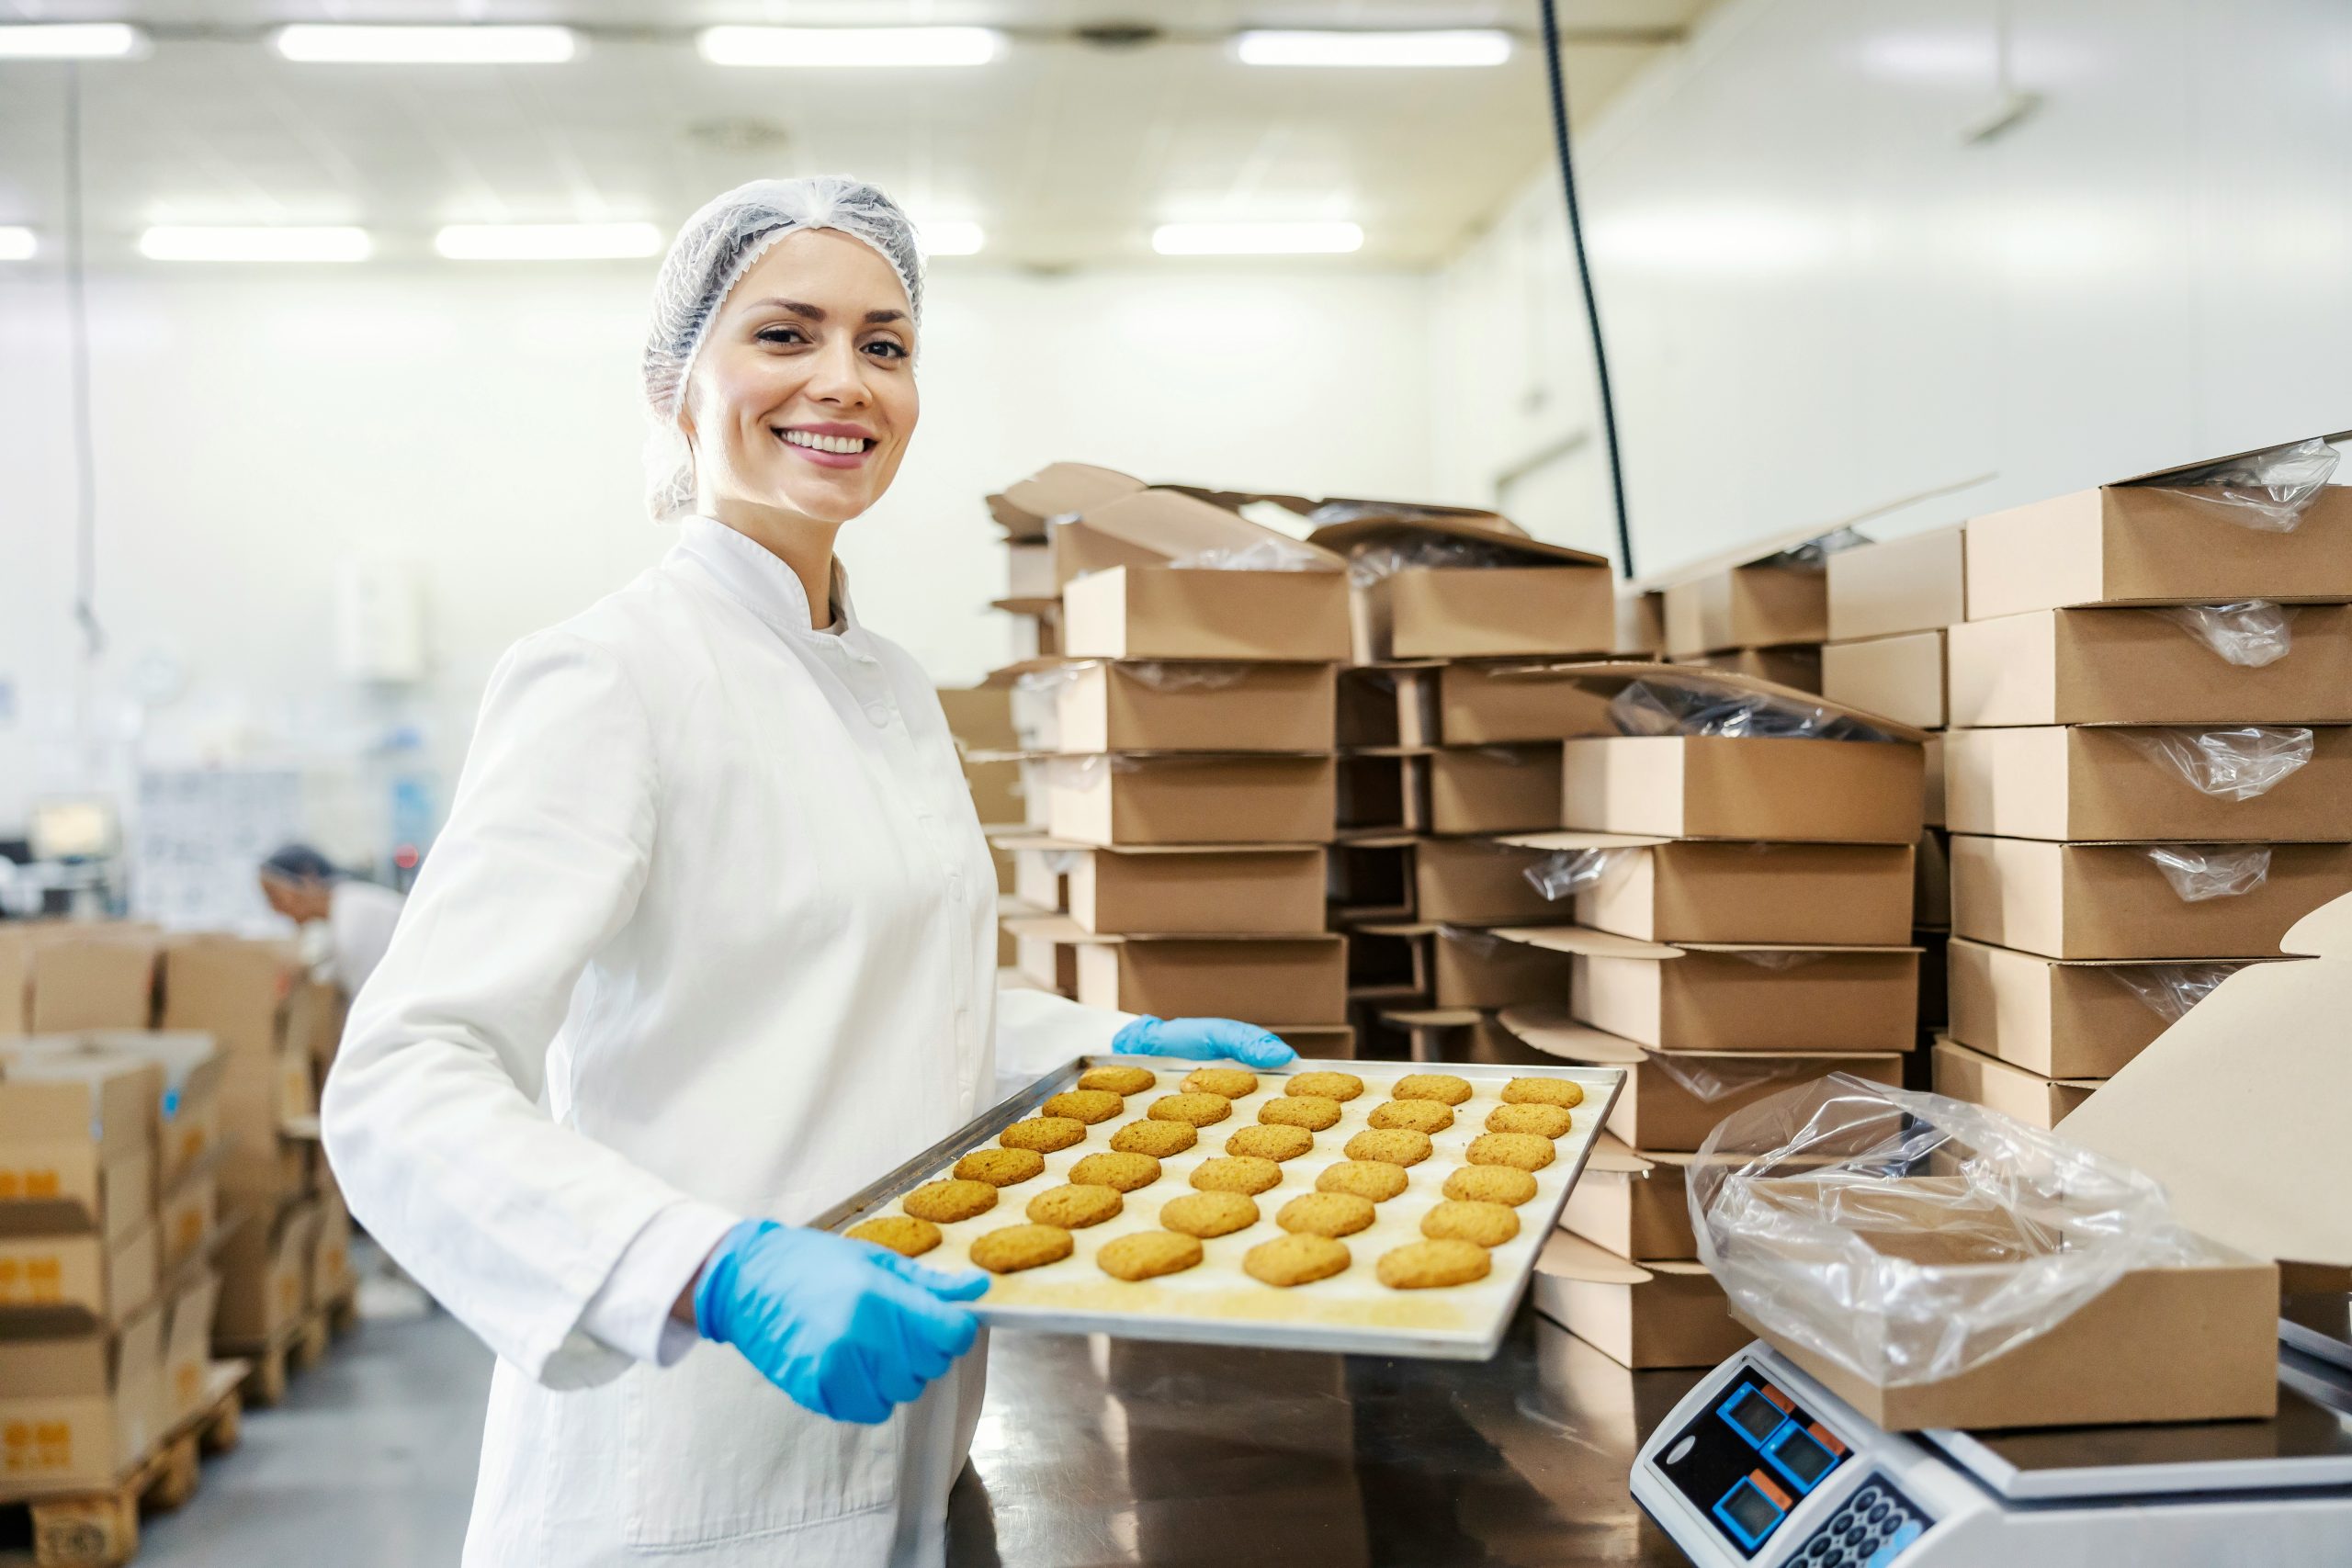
x=847, y=1329
x=1202, y=1039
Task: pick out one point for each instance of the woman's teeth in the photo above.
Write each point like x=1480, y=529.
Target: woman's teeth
x=824, y=443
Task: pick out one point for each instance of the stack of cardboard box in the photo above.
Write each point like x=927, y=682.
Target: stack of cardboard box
x=2149, y=776
x=60, y=975
x=1760, y=610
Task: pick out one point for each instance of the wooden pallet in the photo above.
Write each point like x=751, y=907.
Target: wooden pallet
x=100, y=1528
x=295, y=1347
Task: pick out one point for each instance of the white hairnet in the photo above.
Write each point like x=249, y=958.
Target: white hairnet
x=717, y=246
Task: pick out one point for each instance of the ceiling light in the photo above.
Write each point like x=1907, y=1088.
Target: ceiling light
x=1256, y=239
x=70, y=40
x=950, y=237
x=548, y=242
x=16, y=243
x=1456, y=47
x=329, y=243
x=851, y=46
x=337, y=44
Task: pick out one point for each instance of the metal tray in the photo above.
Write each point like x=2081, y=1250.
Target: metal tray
x=1217, y=1303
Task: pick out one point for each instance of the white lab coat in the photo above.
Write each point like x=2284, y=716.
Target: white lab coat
x=710, y=934
x=361, y=918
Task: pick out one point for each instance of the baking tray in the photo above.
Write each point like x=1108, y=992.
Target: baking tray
x=1217, y=1303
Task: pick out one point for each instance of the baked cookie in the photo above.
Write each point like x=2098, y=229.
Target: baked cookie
x=944, y=1202
x=1566, y=1093
x=1431, y=1085
x=1147, y=1255
x=1125, y=1170
x=1327, y=1213
x=1158, y=1139
x=1490, y=1184
x=1325, y=1085
x=1087, y=1105
x=1392, y=1146
x=1043, y=1133
x=1270, y=1143
x=1197, y=1109
x=1296, y=1260
x=1428, y=1265
x=1015, y=1247
x=1376, y=1179
x=1310, y=1112
x=1415, y=1115
x=1075, y=1207
x=1237, y=1173
x=1230, y=1082
x=1486, y=1225
x=1523, y=1151
x=1118, y=1080
x=1208, y=1213
x=1542, y=1120
x=1001, y=1167
x=902, y=1234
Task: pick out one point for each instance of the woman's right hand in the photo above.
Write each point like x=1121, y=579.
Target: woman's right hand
x=848, y=1330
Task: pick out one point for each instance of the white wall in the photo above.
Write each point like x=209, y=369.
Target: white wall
x=1819, y=299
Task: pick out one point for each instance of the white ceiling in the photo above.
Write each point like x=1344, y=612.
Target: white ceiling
x=1068, y=152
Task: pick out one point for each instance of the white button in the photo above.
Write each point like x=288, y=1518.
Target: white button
x=878, y=712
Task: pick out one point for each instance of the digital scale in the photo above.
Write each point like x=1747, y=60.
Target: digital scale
x=1759, y=1466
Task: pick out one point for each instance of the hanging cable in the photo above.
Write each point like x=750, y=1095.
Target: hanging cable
x=77, y=327
x=1584, y=276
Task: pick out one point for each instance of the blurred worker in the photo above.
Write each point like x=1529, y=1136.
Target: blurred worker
x=356, y=916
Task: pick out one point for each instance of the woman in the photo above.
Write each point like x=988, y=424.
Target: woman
x=707, y=946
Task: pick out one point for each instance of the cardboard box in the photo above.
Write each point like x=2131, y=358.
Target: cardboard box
x=1191, y=800
x=183, y=1219
x=188, y=1346
x=2030, y=1097
x=1477, y=704
x=265, y=1266
x=106, y=1277
x=1370, y=879
x=18, y=939
x=1058, y=489
x=1179, y=613
x=77, y=1144
x=1195, y=891
x=1508, y=594
x=92, y=976
x=1471, y=968
x=2066, y=1018
x=78, y=1410
x=1299, y=979
x=2099, y=785
x=1044, y=950
x=1913, y=584
x=1487, y=789
x=187, y=1114
x=1148, y=705
x=329, y=1276
x=1476, y=882
x=1680, y=890
x=1635, y=1204
x=1459, y=1035
x=1932, y=807
x=1932, y=882
x=1756, y=596
x=1797, y=668
x=1369, y=705
x=1901, y=676
x=1041, y=876
x=1641, y=624
x=2135, y=667
x=1029, y=570
x=2118, y=901
x=980, y=717
x=1639, y=1314
x=1746, y=787
x=1319, y=1043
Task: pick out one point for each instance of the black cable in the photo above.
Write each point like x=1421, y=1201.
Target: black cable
x=1584, y=276
x=86, y=467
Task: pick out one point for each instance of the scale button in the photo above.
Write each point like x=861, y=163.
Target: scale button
x=1681, y=1451
x=1877, y=1511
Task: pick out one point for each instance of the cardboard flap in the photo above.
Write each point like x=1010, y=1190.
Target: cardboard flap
x=1788, y=947
x=1610, y=676
x=1679, y=1268
x=2154, y=475
x=1549, y=1029
x=1042, y=608
x=1009, y=675
x=1056, y=490
x=1484, y=529
x=1433, y=1018
x=1584, y=942
x=1748, y=554
x=1580, y=840
x=1568, y=1256
x=1610, y=1153
x=1176, y=527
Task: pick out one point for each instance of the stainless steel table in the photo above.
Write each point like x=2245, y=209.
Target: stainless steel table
x=1097, y=1451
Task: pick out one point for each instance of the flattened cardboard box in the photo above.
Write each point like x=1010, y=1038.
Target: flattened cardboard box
x=2065, y=1018
x=2134, y=666
x=1679, y=890
x=1901, y=676
x=2101, y=784
x=1257, y=979
x=2118, y=901
x=1191, y=800
x=78, y=1411
x=1912, y=584
x=1164, y=705
x=2030, y=1097
x=1634, y=1204
x=1639, y=1314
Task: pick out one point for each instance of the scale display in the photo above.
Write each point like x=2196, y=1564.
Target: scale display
x=1749, y=1458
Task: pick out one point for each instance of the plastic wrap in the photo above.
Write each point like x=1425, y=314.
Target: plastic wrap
x=1644, y=707
x=1910, y=1237
x=1036, y=722
x=2169, y=991
x=1710, y=1079
x=1777, y=958
x=2268, y=490
x=2198, y=872
x=1272, y=553
x=1814, y=553
x=2250, y=633
x=1481, y=944
x=1374, y=562
x=2240, y=763
x=1564, y=873
x=1333, y=511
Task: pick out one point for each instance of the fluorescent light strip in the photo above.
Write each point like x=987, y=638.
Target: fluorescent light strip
x=330, y=243
x=945, y=237
x=548, y=242
x=16, y=243
x=868, y=47
x=339, y=45
x=1447, y=48
x=1256, y=239
x=70, y=40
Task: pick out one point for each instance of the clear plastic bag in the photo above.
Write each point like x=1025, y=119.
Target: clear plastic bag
x=1272, y=553
x=1371, y=563
x=2169, y=991
x=2268, y=491
x=1814, y=554
x=2242, y=763
x=1333, y=511
x=1037, y=724
x=1564, y=873
x=2198, y=872
x=1481, y=944
x=1646, y=707
x=2249, y=634
x=1911, y=1237
x=1775, y=958
x=1710, y=1079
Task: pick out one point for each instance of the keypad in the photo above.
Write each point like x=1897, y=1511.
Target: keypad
x=1869, y=1529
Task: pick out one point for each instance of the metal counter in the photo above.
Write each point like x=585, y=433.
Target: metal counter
x=1097, y=1451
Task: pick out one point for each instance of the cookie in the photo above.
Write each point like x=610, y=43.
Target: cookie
x=902, y=1234
x=1325, y=1085
x=1540, y=1121
x=1431, y=1085
x=1490, y=1184
x=1197, y=1109
x=1270, y=1143
x=1391, y=1146
x=1296, y=1260
x=1523, y=1151
x=1043, y=1133
x=1428, y=1265
x=1118, y=1080
x=1001, y=1167
x=1230, y=1082
x=1208, y=1213
x=1376, y=1179
x=1566, y=1093
x=947, y=1201
x=1147, y=1255
x=1327, y=1213
x=1486, y=1224
x=1415, y=1115
x=1075, y=1207
x=1237, y=1173
x=1310, y=1112
x=1158, y=1139
x=1015, y=1247
x=1087, y=1105
x=1125, y=1170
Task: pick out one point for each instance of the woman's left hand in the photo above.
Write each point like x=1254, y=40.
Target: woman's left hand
x=1202, y=1039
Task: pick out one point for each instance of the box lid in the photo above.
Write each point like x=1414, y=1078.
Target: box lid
x=1608, y=944
x=1579, y=839
x=1429, y=524
x=1614, y=676
x=2155, y=474
x=1567, y=1256
x=1056, y=490
x=1178, y=528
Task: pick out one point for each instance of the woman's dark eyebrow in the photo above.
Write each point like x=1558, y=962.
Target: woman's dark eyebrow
x=806, y=312
x=876, y=318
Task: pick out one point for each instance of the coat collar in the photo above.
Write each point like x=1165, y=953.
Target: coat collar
x=757, y=580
